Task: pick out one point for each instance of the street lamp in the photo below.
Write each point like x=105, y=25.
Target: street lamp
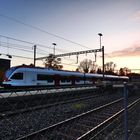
x=100, y=39
x=102, y=49
x=54, y=44
x=9, y=56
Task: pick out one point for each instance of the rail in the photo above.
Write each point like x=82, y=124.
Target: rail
x=81, y=121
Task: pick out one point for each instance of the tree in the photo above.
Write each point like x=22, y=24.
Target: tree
x=124, y=71
x=86, y=66
x=109, y=68
x=53, y=62
x=99, y=71
x=121, y=72
x=77, y=70
x=93, y=68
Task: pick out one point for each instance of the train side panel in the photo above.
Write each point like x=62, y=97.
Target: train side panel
x=30, y=78
x=25, y=76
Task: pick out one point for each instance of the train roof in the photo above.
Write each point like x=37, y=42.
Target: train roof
x=107, y=76
x=50, y=71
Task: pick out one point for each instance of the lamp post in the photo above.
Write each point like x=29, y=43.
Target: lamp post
x=100, y=35
x=102, y=49
x=54, y=44
x=9, y=56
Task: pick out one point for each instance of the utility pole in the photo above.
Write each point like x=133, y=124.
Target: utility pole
x=125, y=110
x=34, y=55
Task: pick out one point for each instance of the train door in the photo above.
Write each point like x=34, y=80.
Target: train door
x=30, y=78
x=57, y=80
x=94, y=80
x=73, y=80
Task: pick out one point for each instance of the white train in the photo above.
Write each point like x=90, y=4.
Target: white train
x=26, y=76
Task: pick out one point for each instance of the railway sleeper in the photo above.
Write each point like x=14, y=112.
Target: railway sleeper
x=59, y=136
x=72, y=132
x=96, y=118
x=80, y=128
x=107, y=114
x=84, y=126
x=100, y=117
x=87, y=122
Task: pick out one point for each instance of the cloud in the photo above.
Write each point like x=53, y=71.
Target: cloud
x=136, y=15
x=133, y=50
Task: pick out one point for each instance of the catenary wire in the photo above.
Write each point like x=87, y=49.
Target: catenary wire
x=41, y=30
x=31, y=43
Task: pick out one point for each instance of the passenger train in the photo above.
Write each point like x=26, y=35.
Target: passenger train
x=26, y=76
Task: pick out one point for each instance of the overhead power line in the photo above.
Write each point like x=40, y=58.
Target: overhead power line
x=31, y=43
x=16, y=47
x=17, y=39
x=41, y=30
x=23, y=41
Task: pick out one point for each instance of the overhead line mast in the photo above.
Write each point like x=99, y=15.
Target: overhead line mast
x=78, y=53
x=73, y=53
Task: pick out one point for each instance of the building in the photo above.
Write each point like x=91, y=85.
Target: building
x=4, y=65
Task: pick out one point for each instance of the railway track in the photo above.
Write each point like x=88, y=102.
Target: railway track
x=36, y=101
x=17, y=105
x=83, y=126
x=20, y=89
x=17, y=124
x=24, y=110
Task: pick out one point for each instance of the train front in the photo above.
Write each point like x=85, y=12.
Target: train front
x=6, y=77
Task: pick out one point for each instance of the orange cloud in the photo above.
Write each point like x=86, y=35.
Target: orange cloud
x=134, y=50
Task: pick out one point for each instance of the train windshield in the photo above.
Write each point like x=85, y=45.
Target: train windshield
x=10, y=71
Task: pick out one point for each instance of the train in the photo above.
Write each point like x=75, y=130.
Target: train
x=26, y=76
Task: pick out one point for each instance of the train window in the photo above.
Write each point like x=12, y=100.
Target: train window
x=68, y=80
x=77, y=80
x=50, y=80
x=17, y=76
x=43, y=77
x=63, y=80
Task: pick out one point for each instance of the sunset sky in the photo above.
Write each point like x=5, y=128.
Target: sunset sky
x=74, y=26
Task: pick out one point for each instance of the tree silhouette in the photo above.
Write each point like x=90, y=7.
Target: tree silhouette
x=110, y=68
x=124, y=71
x=99, y=71
x=86, y=66
x=53, y=62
